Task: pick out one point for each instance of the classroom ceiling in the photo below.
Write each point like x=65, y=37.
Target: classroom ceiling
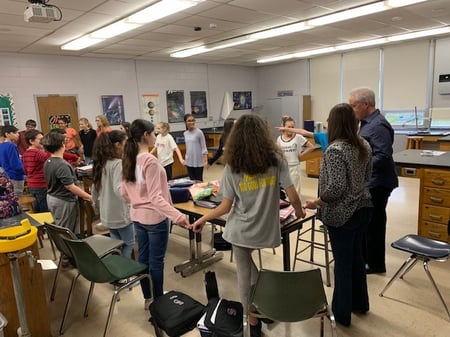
x=219, y=20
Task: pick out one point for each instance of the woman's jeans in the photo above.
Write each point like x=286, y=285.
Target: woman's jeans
x=350, y=280
x=152, y=242
x=126, y=234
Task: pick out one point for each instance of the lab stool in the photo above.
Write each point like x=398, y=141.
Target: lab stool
x=312, y=244
x=26, y=203
x=424, y=250
x=414, y=143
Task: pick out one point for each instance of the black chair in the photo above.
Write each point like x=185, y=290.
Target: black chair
x=421, y=249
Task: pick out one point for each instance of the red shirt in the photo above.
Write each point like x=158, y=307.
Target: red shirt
x=33, y=165
x=22, y=144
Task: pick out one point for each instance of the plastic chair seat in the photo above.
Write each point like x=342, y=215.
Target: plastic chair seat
x=422, y=246
x=423, y=249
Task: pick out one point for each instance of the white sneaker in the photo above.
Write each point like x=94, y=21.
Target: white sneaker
x=147, y=303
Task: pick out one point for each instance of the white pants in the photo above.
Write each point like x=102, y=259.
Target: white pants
x=295, y=172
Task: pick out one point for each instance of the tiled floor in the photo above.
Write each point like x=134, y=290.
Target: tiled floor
x=411, y=307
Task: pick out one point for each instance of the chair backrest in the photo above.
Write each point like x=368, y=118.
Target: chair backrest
x=56, y=233
x=88, y=263
x=289, y=296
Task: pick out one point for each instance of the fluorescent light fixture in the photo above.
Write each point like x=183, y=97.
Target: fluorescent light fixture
x=231, y=43
x=160, y=10
x=114, y=29
x=361, y=44
x=81, y=43
x=289, y=29
x=190, y=52
x=307, y=53
x=349, y=14
x=357, y=45
x=152, y=13
x=417, y=35
x=277, y=58
x=402, y=3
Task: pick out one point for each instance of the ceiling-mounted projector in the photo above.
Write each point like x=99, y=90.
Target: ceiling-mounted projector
x=39, y=11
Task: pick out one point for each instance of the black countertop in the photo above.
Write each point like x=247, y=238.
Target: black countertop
x=414, y=158
x=444, y=139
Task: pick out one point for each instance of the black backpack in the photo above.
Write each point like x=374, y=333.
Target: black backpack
x=224, y=318
x=176, y=313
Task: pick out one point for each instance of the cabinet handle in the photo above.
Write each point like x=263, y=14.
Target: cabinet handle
x=434, y=234
x=439, y=182
x=437, y=200
x=435, y=217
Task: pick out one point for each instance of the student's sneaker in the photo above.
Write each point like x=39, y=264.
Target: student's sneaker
x=147, y=303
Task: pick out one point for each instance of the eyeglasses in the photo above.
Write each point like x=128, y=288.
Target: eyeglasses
x=190, y=120
x=97, y=120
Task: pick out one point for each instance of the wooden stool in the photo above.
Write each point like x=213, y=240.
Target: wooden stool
x=414, y=143
x=26, y=203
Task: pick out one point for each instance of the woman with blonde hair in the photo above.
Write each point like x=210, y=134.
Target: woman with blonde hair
x=102, y=124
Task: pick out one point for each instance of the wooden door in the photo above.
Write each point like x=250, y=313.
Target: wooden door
x=53, y=107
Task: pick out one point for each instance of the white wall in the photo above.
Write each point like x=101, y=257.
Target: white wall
x=25, y=76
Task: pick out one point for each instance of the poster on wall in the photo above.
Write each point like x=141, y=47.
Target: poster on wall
x=198, y=104
x=150, y=108
x=112, y=106
x=242, y=100
x=53, y=120
x=8, y=115
x=175, y=105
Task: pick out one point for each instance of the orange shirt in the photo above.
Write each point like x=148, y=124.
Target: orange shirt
x=70, y=134
x=105, y=129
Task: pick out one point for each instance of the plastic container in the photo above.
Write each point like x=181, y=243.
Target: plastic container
x=3, y=323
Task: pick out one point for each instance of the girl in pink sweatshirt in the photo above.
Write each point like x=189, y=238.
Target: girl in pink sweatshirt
x=145, y=187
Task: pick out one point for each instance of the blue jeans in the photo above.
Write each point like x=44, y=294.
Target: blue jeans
x=41, y=199
x=152, y=242
x=126, y=234
x=350, y=280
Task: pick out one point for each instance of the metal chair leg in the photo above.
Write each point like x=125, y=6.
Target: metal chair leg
x=55, y=280
x=327, y=256
x=409, y=268
x=72, y=286
x=427, y=271
x=91, y=290
x=399, y=272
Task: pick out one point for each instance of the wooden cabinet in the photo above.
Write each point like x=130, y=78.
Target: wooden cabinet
x=179, y=170
x=212, y=143
x=313, y=167
x=444, y=146
x=434, y=206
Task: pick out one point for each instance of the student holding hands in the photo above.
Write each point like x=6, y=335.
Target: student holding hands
x=255, y=170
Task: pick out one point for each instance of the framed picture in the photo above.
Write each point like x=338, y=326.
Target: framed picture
x=151, y=108
x=242, y=100
x=7, y=113
x=175, y=105
x=198, y=104
x=112, y=106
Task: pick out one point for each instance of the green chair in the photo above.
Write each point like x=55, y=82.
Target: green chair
x=102, y=245
x=112, y=269
x=291, y=296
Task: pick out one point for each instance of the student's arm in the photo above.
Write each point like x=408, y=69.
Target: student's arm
x=303, y=132
x=294, y=198
x=223, y=208
x=180, y=156
x=79, y=192
x=309, y=148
